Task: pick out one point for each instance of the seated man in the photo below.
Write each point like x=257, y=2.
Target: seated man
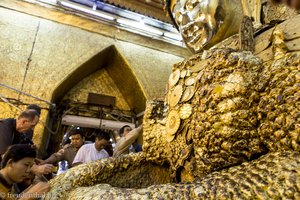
x=15, y=167
x=94, y=151
x=68, y=152
x=128, y=136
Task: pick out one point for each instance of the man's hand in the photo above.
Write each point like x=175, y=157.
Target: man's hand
x=60, y=152
x=42, y=169
x=38, y=161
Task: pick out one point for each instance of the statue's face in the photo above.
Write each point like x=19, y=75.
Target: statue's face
x=203, y=23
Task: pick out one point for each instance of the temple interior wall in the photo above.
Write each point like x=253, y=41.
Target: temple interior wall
x=37, y=55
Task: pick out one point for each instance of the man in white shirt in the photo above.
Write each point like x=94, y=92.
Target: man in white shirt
x=94, y=151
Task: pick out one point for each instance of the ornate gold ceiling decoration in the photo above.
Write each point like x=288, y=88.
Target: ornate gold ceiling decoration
x=150, y=8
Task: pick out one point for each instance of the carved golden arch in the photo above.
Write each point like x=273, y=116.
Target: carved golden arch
x=120, y=72
x=118, y=69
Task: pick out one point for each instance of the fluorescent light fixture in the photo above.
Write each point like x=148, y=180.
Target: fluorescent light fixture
x=87, y=10
x=94, y=6
x=173, y=36
x=142, y=22
x=152, y=30
x=139, y=25
x=127, y=22
x=49, y=1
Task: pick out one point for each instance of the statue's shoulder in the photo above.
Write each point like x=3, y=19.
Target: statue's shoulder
x=265, y=41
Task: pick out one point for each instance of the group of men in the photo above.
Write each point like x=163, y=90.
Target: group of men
x=80, y=151
x=20, y=131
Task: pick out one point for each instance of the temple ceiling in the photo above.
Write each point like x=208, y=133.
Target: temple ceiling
x=150, y=8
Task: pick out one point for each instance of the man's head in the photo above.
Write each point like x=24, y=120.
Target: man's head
x=77, y=138
x=124, y=130
x=34, y=107
x=101, y=140
x=292, y=3
x=27, y=120
x=205, y=23
x=17, y=162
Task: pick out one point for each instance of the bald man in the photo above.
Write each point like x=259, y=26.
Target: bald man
x=13, y=131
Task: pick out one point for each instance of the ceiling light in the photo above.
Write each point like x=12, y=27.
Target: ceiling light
x=174, y=36
x=125, y=19
x=87, y=10
x=129, y=23
x=152, y=30
x=139, y=25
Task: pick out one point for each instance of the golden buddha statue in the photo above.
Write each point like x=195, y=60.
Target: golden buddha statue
x=229, y=127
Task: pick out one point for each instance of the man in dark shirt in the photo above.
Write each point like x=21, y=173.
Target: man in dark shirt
x=13, y=131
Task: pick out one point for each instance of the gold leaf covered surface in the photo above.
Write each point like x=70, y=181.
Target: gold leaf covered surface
x=236, y=101
x=270, y=177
